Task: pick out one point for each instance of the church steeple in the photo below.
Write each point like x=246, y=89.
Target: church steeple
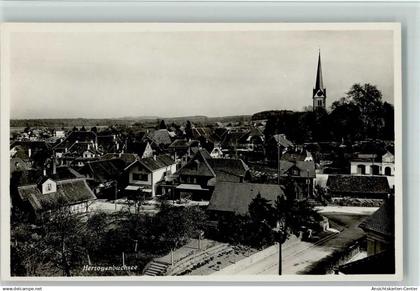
x=319, y=93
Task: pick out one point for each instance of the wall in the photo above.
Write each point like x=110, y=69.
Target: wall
x=244, y=263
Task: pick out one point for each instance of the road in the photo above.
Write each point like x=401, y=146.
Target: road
x=299, y=255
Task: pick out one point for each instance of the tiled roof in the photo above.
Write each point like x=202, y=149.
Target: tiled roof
x=236, y=197
x=358, y=184
x=198, y=165
x=381, y=263
x=183, y=144
x=76, y=136
x=128, y=158
x=235, y=167
x=161, y=136
x=68, y=192
x=383, y=220
x=32, y=176
x=158, y=162
x=154, y=163
x=104, y=170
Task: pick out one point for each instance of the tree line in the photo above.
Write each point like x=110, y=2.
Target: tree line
x=360, y=115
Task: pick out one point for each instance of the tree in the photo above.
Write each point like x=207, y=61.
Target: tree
x=94, y=129
x=176, y=225
x=188, y=130
x=162, y=124
x=291, y=215
x=63, y=240
x=369, y=101
x=260, y=210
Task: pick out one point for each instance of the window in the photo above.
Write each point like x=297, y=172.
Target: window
x=388, y=171
x=319, y=102
x=375, y=169
x=361, y=169
x=140, y=177
x=49, y=187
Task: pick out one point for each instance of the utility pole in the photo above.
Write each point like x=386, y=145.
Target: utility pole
x=278, y=182
x=116, y=194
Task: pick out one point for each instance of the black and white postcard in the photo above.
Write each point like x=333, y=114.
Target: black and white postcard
x=206, y=152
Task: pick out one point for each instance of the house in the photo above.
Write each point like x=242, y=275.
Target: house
x=144, y=174
x=40, y=191
x=374, y=164
x=380, y=228
x=49, y=195
x=104, y=176
x=182, y=150
x=79, y=153
x=159, y=138
x=197, y=178
x=217, y=152
x=73, y=137
x=302, y=172
x=372, y=187
x=277, y=145
x=248, y=143
x=234, y=198
x=108, y=143
x=380, y=236
x=35, y=151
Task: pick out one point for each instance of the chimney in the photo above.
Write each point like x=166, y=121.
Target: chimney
x=154, y=157
x=44, y=172
x=29, y=152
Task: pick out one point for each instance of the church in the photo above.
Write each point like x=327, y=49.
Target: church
x=319, y=93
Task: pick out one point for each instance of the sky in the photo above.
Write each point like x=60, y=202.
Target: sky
x=169, y=74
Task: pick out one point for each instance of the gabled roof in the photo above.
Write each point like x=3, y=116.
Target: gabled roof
x=104, y=170
x=33, y=176
x=293, y=157
x=381, y=221
x=32, y=144
x=68, y=192
x=306, y=169
x=76, y=136
x=160, y=136
x=236, y=197
x=157, y=162
x=108, y=143
x=235, y=167
x=198, y=165
x=80, y=147
x=183, y=144
x=153, y=163
x=128, y=158
x=358, y=184
x=137, y=147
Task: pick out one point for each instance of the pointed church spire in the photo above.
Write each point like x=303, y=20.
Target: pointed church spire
x=319, y=84
x=319, y=93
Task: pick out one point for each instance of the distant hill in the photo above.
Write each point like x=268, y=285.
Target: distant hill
x=127, y=121
x=271, y=113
